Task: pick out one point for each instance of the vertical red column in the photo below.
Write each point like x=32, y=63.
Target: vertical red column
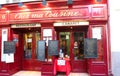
x=5, y=35
x=47, y=33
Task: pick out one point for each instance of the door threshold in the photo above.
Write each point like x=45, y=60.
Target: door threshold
x=27, y=73
x=38, y=73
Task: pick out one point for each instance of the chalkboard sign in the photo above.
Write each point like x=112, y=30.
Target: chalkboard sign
x=9, y=47
x=41, y=50
x=90, y=48
x=52, y=47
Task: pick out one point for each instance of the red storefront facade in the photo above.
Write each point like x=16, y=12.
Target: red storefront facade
x=56, y=21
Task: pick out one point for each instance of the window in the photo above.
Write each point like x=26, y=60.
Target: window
x=28, y=45
x=78, y=45
x=97, y=32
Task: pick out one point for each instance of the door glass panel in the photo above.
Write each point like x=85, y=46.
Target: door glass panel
x=28, y=45
x=78, y=45
x=65, y=43
x=47, y=35
x=37, y=38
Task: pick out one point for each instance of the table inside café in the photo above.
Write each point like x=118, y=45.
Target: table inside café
x=62, y=65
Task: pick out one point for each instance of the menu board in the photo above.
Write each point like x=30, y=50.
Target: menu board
x=90, y=48
x=41, y=50
x=9, y=47
x=52, y=47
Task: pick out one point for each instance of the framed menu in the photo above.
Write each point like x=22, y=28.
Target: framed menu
x=52, y=47
x=90, y=48
x=41, y=50
x=9, y=47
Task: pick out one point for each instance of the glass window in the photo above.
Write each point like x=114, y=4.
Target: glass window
x=65, y=43
x=28, y=45
x=29, y=48
x=37, y=38
x=97, y=32
x=47, y=35
x=78, y=45
x=100, y=51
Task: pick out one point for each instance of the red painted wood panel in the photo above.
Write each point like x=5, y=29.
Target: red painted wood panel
x=79, y=66
x=99, y=66
x=84, y=12
x=99, y=12
x=32, y=65
x=47, y=69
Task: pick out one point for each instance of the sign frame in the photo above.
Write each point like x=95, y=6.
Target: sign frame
x=9, y=47
x=90, y=48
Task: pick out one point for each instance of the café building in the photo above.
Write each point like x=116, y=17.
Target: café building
x=34, y=33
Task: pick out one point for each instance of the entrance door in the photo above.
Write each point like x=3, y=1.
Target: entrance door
x=65, y=42
x=30, y=61
x=78, y=62
x=72, y=44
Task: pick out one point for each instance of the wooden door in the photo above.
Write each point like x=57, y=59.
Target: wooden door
x=72, y=44
x=30, y=61
x=78, y=62
x=65, y=43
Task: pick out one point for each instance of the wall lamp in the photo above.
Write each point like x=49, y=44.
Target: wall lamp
x=69, y=2
x=44, y=2
x=0, y=6
x=20, y=4
x=98, y=0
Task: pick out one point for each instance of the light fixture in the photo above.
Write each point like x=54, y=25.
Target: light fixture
x=98, y=0
x=0, y=6
x=8, y=11
x=44, y=2
x=20, y=4
x=69, y=2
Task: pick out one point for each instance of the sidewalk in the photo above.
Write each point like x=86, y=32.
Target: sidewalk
x=36, y=73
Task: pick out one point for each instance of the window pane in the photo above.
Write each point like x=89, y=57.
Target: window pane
x=78, y=45
x=37, y=38
x=65, y=43
x=28, y=45
x=99, y=34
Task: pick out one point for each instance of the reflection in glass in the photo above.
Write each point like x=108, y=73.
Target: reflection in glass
x=65, y=43
x=37, y=38
x=100, y=44
x=78, y=45
x=28, y=45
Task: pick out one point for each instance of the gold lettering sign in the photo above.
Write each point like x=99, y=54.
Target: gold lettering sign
x=49, y=14
x=26, y=25
x=71, y=23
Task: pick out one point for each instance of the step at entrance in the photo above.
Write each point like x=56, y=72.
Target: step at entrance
x=37, y=73
x=27, y=73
